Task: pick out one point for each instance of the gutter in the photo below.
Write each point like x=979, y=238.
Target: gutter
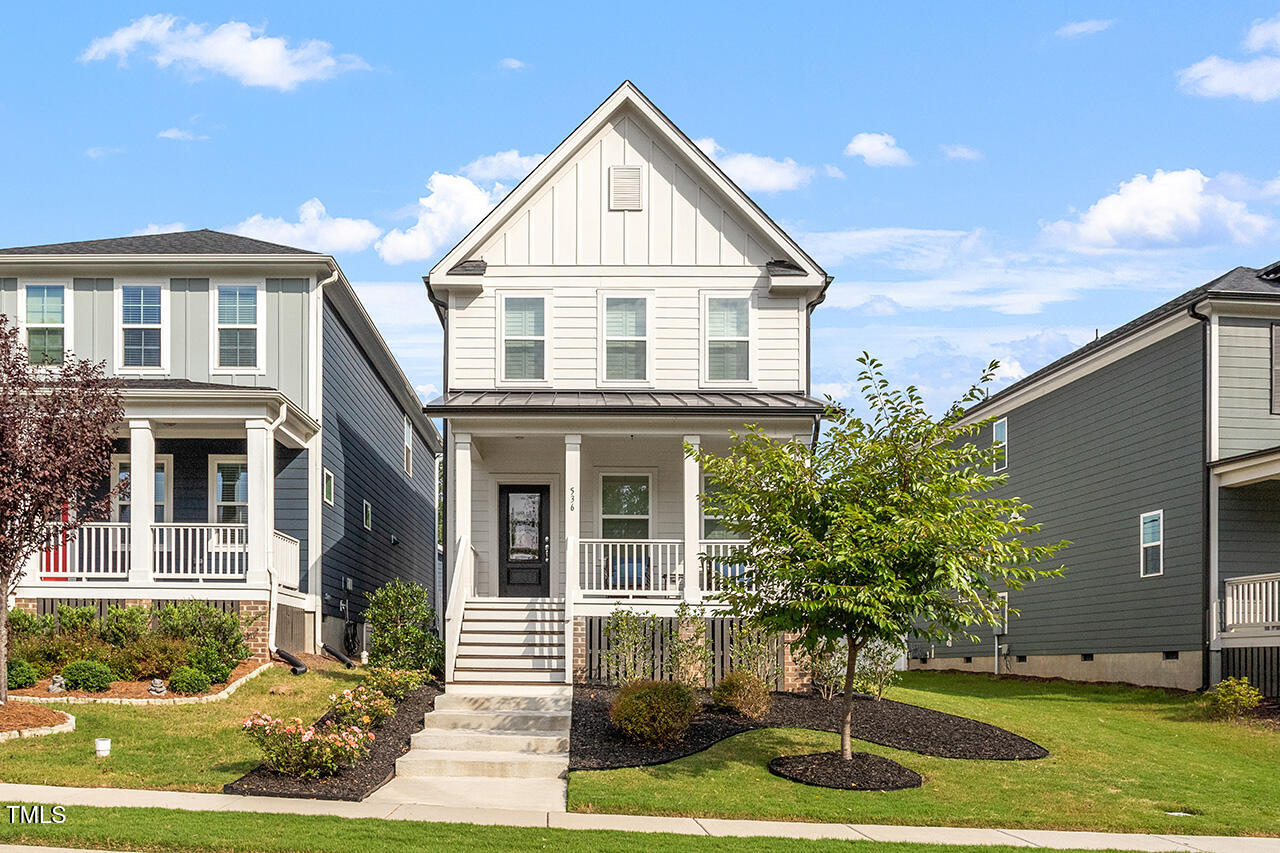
x=1208, y=586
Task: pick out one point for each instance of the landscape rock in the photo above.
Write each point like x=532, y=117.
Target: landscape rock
x=58, y=684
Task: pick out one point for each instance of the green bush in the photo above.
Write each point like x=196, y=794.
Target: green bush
x=654, y=712
x=77, y=621
x=212, y=662
x=401, y=629
x=205, y=626
x=187, y=679
x=629, y=645
x=1231, y=699
x=89, y=675
x=24, y=624
x=150, y=656
x=744, y=692
x=362, y=706
x=49, y=654
x=21, y=674
x=395, y=684
x=306, y=752
x=124, y=625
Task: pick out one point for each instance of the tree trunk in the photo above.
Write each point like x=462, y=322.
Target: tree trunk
x=4, y=652
x=846, y=722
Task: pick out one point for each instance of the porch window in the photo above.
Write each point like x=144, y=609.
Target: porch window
x=121, y=472
x=713, y=527
x=1151, y=532
x=141, y=325
x=230, y=491
x=46, y=322
x=408, y=446
x=626, y=339
x=237, y=325
x=1000, y=439
x=728, y=339
x=524, y=339
x=624, y=506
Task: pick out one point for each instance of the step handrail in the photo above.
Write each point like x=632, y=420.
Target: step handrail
x=463, y=566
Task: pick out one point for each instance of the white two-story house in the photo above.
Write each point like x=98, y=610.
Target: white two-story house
x=289, y=458
x=626, y=299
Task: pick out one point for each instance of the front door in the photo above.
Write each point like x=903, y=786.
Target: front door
x=524, y=541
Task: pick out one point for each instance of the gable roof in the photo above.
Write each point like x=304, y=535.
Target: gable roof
x=459, y=261
x=202, y=242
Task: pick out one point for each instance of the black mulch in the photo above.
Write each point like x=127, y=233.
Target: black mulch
x=864, y=772
x=594, y=743
x=391, y=740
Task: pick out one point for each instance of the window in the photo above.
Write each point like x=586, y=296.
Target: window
x=229, y=488
x=524, y=338
x=1151, y=529
x=408, y=446
x=1000, y=439
x=328, y=488
x=626, y=338
x=121, y=471
x=624, y=506
x=237, y=326
x=141, y=325
x=46, y=322
x=712, y=527
x=1087, y=657
x=728, y=339
x=368, y=516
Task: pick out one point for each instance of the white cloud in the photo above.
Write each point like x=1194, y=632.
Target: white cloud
x=505, y=165
x=755, y=172
x=1075, y=29
x=905, y=248
x=1263, y=35
x=428, y=391
x=1165, y=210
x=164, y=228
x=97, y=152
x=510, y=63
x=961, y=152
x=833, y=171
x=315, y=229
x=180, y=135
x=878, y=149
x=1234, y=185
x=234, y=49
x=1255, y=79
x=452, y=206
x=407, y=322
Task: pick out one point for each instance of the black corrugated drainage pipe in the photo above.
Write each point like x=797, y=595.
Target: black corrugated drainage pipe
x=297, y=667
x=341, y=658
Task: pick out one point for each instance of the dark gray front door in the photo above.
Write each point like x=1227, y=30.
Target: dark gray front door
x=524, y=541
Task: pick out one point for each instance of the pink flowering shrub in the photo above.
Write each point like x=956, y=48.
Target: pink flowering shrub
x=363, y=706
x=395, y=684
x=307, y=752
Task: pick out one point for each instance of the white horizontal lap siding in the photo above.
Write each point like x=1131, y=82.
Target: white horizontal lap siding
x=574, y=344
x=675, y=336
x=779, y=327
x=472, y=356
x=1245, y=419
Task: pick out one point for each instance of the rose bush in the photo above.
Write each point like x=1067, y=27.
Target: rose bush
x=307, y=752
x=362, y=706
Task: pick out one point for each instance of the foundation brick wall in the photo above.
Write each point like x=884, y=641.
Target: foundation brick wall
x=257, y=633
x=26, y=604
x=795, y=678
x=579, y=649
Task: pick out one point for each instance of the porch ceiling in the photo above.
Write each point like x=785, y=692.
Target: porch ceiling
x=1247, y=468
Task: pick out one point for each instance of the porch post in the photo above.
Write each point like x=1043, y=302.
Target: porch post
x=572, y=531
x=142, y=499
x=692, y=521
x=462, y=503
x=258, y=454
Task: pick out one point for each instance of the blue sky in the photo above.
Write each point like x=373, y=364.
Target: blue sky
x=994, y=180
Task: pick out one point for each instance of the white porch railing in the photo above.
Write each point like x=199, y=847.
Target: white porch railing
x=461, y=586
x=285, y=551
x=717, y=564
x=96, y=551
x=217, y=552
x=1253, y=603
x=631, y=568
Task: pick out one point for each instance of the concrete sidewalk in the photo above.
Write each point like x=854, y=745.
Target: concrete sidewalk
x=1050, y=839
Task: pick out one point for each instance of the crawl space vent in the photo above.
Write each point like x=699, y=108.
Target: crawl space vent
x=625, y=188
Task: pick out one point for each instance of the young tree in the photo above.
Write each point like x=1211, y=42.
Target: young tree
x=56, y=426
x=884, y=529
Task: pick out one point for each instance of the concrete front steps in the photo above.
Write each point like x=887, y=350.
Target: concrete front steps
x=511, y=641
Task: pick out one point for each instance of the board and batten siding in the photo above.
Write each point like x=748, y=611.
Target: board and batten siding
x=1090, y=458
x=1245, y=410
x=362, y=444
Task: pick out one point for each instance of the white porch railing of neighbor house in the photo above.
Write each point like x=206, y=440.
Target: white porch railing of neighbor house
x=718, y=565
x=200, y=551
x=90, y=552
x=285, y=551
x=1253, y=602
x=631, y=568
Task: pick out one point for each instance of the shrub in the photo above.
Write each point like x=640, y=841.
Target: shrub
x=24, y=624
x=687, y=651
x=654, y=712
x=755, y=649
x=21, y=674
x=124, y=625
x=362, y=706
x=307, y=752
x=88, y=675
x=825, y=663
x=401, y=634
x=150, y=656
x=212, y=662
x=188, y=679
x=874, y=671
x=1231, y=699
x=77, y=620
x=628, y=653
x=395, y=684
x=204, y=625
x=744, y=692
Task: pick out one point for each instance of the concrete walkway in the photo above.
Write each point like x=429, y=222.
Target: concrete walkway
x=1051, y=839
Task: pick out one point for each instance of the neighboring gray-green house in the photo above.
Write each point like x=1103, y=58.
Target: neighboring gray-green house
x=294, y=469
x=1156, y=451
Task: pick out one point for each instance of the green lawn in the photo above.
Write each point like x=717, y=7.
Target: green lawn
x=1119, y=759
x=178, y=747
x=163, y=829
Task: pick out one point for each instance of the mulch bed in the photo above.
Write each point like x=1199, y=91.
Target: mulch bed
x=391, y=740
x=863, y=772
x=594, y=743
x=133, y=689
x=25, y=715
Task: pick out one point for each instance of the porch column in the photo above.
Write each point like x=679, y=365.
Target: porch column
x=462, y=507
x=142, y=499
x=258, y=455
x=572, y=531
x=692, y=523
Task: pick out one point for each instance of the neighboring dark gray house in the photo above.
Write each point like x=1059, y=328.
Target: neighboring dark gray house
x=293, y=463
x=1156, y=451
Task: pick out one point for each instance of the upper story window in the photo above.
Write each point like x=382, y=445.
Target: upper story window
x=624, y=506
x=408, y=446
x=626, y=339
x=238, y=319
x=1151, y=536
x=524, y=338
x=45, y=317
x=1000, y=438
x=142, y=326
x=728, y=339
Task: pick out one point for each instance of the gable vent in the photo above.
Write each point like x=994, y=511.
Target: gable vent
x=625, y=188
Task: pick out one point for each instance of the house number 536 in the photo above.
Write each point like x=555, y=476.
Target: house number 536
x=573, y=494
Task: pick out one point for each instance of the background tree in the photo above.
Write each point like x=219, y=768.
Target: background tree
x=57, y=422
x=885, y=528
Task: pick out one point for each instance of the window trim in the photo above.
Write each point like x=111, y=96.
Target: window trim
x=166, y=326
x=214, y=461
x=214, y=326
x=600, y=513
x=407, y=447
x=500, y=369
x=1143, y=546
x=328, y=486
x=704, y=338
x=1002, y=463
x=366, y=516
x=163, y=460
x=67, y=325
x=602, y=340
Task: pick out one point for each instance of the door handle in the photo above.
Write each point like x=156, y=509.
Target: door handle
x=546, y=548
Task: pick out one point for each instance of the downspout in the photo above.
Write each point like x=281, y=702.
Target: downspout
x=1208, y=522
x=808, y=350
x=315, y=547
x=271, y=563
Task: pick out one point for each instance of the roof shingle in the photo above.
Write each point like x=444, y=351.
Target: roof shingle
x=202, y=242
